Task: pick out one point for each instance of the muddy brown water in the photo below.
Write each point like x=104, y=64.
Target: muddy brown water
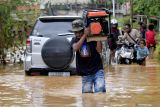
x=127, y=86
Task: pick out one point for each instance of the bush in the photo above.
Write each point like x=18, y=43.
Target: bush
x=124, y=20
x=157, y=51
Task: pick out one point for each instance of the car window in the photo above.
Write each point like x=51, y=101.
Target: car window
x=42, y=28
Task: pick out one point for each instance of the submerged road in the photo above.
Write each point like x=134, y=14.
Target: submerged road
x=127, y=86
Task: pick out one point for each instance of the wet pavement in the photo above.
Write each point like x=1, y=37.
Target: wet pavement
x=127, y=86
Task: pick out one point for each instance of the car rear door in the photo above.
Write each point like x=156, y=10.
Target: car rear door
x=43, y=31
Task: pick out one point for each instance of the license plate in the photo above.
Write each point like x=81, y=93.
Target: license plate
x=64, y=74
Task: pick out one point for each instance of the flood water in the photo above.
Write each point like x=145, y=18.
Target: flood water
x=127, y=86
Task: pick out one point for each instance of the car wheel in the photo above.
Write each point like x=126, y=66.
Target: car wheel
x=28, y=73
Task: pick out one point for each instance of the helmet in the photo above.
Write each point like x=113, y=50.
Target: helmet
x=114, y=21
x=77, y=25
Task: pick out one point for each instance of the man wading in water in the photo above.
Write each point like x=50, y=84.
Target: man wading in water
x=88, y=61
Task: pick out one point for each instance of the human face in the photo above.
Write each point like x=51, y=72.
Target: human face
x=78, y=33
x=127, y=29
x=114, y=26
x=141, y=44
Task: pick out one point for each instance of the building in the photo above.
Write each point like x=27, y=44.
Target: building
x=65, y=1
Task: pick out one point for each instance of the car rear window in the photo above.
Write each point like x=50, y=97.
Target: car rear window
x=52, y=27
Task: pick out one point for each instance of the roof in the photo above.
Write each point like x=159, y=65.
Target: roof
x=154, y=17
x=59, y=17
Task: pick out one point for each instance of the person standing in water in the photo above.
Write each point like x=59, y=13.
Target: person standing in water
x=88, y=60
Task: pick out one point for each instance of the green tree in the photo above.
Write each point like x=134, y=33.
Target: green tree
x=121, y=1
x=5, y=19
x=147, y=7
x=7, y=7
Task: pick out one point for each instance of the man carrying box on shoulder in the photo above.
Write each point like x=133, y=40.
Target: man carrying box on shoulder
x=88, y=60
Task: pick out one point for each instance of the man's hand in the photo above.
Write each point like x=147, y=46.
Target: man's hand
x=86, y=32
x=99, y=46
x=83, y=36
x=137, y=40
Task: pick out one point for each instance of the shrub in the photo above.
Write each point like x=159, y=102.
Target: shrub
x=157, y=51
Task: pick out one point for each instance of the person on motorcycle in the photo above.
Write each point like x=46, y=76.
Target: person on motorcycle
x=113, y=38
x=132, y=36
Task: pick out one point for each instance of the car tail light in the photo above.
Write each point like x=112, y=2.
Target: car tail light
x=28, y=45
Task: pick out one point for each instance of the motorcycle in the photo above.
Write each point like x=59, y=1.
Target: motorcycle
x=124, y=53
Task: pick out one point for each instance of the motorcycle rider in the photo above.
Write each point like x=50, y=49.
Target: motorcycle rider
x=132, y=36
x=113, y=38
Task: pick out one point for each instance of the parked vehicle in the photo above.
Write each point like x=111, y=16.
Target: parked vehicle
x=48, y=49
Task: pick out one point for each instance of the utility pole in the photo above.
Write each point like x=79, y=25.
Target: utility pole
x=131, y=12
x=113, y=4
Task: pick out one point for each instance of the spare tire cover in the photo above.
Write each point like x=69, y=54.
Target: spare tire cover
x=57, y=53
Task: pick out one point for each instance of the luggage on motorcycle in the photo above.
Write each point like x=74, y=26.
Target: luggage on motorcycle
x=98, y=24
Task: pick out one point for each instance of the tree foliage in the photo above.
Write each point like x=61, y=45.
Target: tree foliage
x=7, y=23
x=5, y=20
x=121, y=1
x=147, y=7
x=144, y=7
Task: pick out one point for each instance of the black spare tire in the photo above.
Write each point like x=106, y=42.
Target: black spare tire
x=57, y=53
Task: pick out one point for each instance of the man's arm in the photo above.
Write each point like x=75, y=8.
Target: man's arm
x=138, y=35
x=123, y=37
x=99, y=46
x=76, y=46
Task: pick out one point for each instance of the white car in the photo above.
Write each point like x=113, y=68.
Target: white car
x=48, y=49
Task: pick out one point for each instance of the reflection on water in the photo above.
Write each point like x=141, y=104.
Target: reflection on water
x=127, y=86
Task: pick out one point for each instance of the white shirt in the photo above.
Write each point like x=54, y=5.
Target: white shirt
x=135, y=34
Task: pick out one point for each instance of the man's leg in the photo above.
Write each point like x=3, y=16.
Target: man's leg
x=87, y=84
x=99, y=82
x=151, y=51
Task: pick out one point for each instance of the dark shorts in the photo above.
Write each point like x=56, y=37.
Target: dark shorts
x=112, y=44
x=141, y=61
